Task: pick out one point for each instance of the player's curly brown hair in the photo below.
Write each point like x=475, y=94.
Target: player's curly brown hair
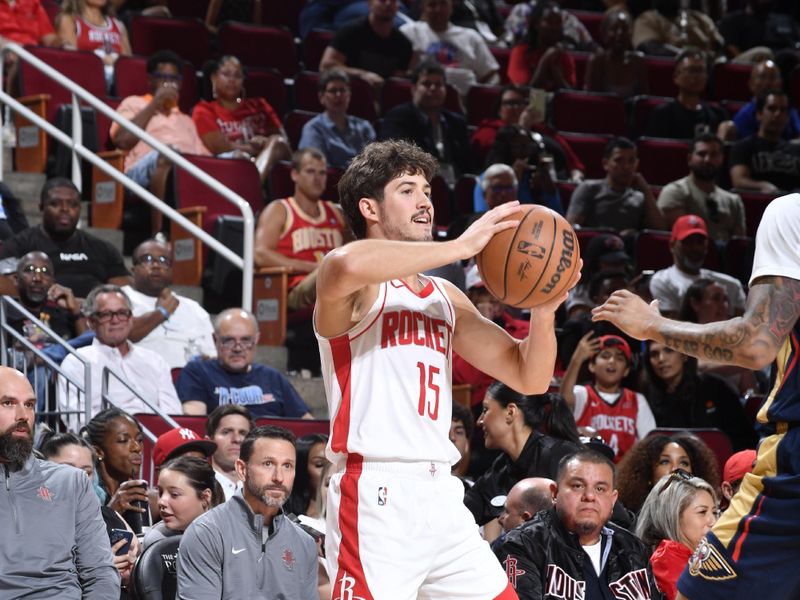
x=635, y=470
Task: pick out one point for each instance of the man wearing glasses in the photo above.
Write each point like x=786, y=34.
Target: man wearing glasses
x=233, y=378
x=108, y=310
x=174, y=326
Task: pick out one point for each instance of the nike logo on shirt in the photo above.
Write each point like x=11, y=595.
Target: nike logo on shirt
x=235, y=551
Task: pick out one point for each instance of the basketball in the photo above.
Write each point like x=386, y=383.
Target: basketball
x=533, y=263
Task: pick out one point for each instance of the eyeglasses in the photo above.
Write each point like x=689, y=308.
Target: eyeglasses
x=107, y=315
x=33, y=270
x=339, y=91
x=167, y=76
x=229, y=343
x=149, y=259
x=676, y=475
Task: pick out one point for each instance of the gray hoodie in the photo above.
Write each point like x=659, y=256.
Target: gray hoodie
x=223, y=555
x=53, y=542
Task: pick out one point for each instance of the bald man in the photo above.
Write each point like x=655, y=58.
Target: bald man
x=53, y=535
x=525, y=499
x=233, y=378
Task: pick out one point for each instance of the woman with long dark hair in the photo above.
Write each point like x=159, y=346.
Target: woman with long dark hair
x=307, y=475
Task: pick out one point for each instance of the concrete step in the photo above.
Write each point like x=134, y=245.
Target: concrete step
x=312, y=391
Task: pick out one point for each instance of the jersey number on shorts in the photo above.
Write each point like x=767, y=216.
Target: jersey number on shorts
x=426, y=383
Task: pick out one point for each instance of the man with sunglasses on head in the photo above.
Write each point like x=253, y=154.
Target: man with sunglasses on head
x=174, y=326
x=108, y=310
x=233, y=377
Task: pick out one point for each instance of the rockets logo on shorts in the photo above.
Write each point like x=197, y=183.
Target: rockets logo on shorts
x=708, y=563
x=561, y=585
x=344, y=588
x=510, y=563
x=631, y=586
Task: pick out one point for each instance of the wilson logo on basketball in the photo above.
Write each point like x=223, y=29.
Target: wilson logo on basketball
x=564, y=263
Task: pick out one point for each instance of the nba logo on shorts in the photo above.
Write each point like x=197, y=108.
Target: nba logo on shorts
x=382, y=492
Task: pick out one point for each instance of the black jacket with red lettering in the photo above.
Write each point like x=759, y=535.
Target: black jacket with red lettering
x=545, y=561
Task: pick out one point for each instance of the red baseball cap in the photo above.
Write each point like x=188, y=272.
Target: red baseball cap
x=178, y=441
x=614, y=341
x=688, y=225
x=738, y=465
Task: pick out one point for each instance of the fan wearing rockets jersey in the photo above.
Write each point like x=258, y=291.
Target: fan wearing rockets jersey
x=397, y=526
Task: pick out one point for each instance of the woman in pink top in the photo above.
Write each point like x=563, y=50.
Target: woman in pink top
x=232, y=125
x=542, y=61
x=88, y=25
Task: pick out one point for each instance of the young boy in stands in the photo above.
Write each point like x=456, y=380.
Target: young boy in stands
x=619, y=415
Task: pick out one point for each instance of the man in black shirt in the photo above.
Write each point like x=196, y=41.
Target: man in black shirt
x=81, y=261
x=687, y=116
x=371, y=48
x=764, y=161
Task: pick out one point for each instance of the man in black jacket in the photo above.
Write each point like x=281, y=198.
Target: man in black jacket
x=572, y=551
x=425, y=122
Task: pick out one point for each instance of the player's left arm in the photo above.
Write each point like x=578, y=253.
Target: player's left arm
x=524, y=365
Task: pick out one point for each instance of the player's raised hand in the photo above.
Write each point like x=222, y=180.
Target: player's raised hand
x=552, y=305
x=477, y=235
x=630, y=313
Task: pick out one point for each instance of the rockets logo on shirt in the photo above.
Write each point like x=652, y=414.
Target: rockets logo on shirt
x=408, y=327
x=288, y=559
x=512, y=572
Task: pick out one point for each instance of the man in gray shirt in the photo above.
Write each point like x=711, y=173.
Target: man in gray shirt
x=623, y=200
x=246, y=547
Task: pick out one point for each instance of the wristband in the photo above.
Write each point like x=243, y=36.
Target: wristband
x=164, y=312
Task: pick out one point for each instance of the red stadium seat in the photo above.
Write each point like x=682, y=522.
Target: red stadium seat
x=642, y=107
x=189, y=38
x=442, y=202
x=293, y=123
x=660, y=72
x=362, y=97
x=662, y=161
x=502, y=56
x=482, y=102
x=257, y=46
x=590, y=20
x=581, y=60
x=589, y=112
x=754, y=205
x=267, y=84
x=651, y=252
x=130, y=76
x=314, y=47
x=715, y=439
x=730, y=81
x=585, y=234
x=589, y=149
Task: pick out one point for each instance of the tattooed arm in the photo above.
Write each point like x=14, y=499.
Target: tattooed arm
x=751, y=341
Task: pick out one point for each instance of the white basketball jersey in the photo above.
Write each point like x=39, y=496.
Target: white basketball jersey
x=388, y=379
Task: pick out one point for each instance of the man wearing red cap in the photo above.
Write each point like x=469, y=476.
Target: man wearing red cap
x=736, y=467
x=689, y=245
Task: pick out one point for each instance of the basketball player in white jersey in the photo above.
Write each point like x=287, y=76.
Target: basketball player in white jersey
x=397, y=526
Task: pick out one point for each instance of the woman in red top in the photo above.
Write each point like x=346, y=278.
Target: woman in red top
x=231, y=125
x=676, y=515
x=88, y=25
x=542, y=61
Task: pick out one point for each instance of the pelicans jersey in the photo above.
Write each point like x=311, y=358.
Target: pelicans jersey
x=309, y=238
x=397, y=526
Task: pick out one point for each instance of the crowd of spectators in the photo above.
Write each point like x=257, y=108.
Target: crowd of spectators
x=216, y=487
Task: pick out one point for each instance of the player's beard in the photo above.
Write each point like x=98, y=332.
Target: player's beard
x=261, y=493
x=15, y=450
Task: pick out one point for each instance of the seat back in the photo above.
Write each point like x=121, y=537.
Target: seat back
x=581, y=61
x=662, y=161
x=642, y=107
x=738, y=259
x=730, y=81
x=258, y=46
x=590, y=150
x=154, y=575
x=267, y=84
x=589, y=112
x=83, y=68
x=130, y=76
x=293, y=123
x=187, y=37
x=715, y=439
x=565, y=190
x=660, y=72
x=755, y=203
x=314, y=47
x=482, y=102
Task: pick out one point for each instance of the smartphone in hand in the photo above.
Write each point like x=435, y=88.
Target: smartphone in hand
x=121, y=534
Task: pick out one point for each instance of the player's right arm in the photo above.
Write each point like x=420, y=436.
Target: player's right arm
x=349, y=276
x=751, y=341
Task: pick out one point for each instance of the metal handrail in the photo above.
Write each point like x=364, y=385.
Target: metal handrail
x=105, y=400
x=244, y=262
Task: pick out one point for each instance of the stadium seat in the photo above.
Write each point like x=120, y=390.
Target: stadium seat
x=267, y=84
x=662, y=161
x=362, y=96
x=257, y=46
x=441, y=197
x=585, y=234
x=754, y=205
x=729, y=81
x=188, y=38
x=464, y=194
x=130, y=76
x=154, y=576
x=293, y=123
x=589, y=112
x=483, y=102
x=581, y=60
x=202, y=205
x=651, y=252
x=715, y=439
x=642, y=107
x=660, y=72
x=502, y=56
x=589, y=149
x=314, y=47
x=752, y=404
x=192, y=9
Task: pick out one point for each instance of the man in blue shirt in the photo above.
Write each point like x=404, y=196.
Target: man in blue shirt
x=336, y=134
x=764, y=76
x=232, y=378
